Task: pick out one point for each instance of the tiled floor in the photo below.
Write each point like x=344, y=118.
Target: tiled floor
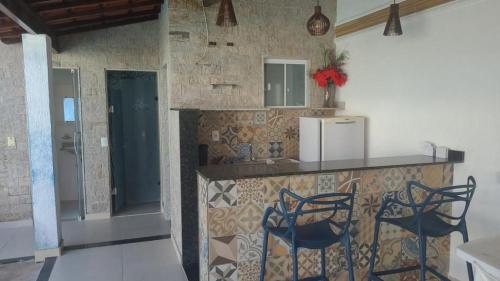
x=154, y=260
x=20, y=271
x=140, y=209
x=17, y=240
x=116, y=228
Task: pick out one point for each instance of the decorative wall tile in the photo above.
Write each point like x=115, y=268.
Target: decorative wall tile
x=370, y=204
x=249, y=246
x=335, y=259
x=291, y=133
x=224, y=272
x=275, y=149
x=433, y=175
x=309, y=263
x=393, y=179
x=371, y=181
x=390, y=231
x=250, y=190
x=277, y=246
x=345, y=179
x=222, y=194
x=326, y=183
x=249, y=270
x=244, y=117
x=222, y=221
x=412, y=173
x=304, y=185
x=278, y=268
x=290, y=148
x=364, y=255
x=275, y=118
x=390, y=253
x=250, y=217
x=272, y=187
x=222, y=250
x=274, y=218
x=246, y=134
x=229, y=136
x=260, y=118
x=447, y=174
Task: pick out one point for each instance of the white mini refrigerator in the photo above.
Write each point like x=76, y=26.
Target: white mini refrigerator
x=327, y=139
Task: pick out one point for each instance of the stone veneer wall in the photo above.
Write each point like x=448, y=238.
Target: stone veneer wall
x=266, y=28
x=15, y=191
x=273, y=133
x=131, y=47
x=231, y=234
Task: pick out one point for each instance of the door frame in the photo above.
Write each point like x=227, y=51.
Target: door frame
x=110, y=168
x=80, y=117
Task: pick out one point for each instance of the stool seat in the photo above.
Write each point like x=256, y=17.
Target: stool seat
x=432, y=225
x=312, y=236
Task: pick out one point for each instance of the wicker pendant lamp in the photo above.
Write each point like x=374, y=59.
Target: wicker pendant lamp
x=393, y=25
x=226, y=16
x=318, y=24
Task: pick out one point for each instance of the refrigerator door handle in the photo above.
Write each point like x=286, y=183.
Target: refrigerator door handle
x=345, y=122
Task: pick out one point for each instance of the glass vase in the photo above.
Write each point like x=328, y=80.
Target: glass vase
x=329, y=101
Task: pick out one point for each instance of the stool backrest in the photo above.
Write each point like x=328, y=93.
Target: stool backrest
x=437, y=197
x=335, y=207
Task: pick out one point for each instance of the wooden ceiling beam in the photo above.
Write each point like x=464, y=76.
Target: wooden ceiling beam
x=11, y=40
x=406, y=7
x=118, y=8
x=39, y=7
x=107, y=24
x=101, y=19
x=26, y=18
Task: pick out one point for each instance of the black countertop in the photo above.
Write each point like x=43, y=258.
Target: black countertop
x=235, y=171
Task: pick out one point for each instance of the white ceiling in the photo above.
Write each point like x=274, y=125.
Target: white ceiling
x=351, y=9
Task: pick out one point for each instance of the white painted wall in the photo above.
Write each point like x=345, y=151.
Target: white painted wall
x=440, y=82
x=351, y=9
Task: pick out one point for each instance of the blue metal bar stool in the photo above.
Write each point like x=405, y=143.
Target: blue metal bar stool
x=426, y=220
x=333, y=213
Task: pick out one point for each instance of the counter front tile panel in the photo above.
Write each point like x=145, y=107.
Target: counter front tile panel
x=231, y=233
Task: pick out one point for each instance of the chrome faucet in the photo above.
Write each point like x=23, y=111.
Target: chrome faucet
x=434, y=148
x=250, y=148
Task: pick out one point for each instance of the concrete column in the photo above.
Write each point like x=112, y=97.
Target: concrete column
x=38, y=80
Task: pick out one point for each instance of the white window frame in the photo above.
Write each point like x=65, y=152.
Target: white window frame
x=285, y=62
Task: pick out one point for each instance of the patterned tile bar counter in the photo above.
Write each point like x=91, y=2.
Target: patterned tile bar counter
x=231, y=207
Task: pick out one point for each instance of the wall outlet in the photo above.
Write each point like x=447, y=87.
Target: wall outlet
x=215, y=135
x=104, y=142
x=11, y=141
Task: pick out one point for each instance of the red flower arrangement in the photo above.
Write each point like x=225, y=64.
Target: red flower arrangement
x=332, y=72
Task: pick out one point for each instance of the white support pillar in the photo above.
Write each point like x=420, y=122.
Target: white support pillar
x=44, y=189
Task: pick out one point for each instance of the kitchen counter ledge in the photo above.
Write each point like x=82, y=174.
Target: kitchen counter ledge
x=235, y=171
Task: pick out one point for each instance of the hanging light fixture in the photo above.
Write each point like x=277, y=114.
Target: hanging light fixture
x=393, y=26
x=226, y=16
x=318, y=24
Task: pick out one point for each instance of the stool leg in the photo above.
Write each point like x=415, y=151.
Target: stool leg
x=295, y=264
x=264, y=256
x=374, y=250
x=348, y=255
x=422, y=254
x=323, y=264
x=465, y=236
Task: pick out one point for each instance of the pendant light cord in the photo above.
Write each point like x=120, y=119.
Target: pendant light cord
x=206, y=33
